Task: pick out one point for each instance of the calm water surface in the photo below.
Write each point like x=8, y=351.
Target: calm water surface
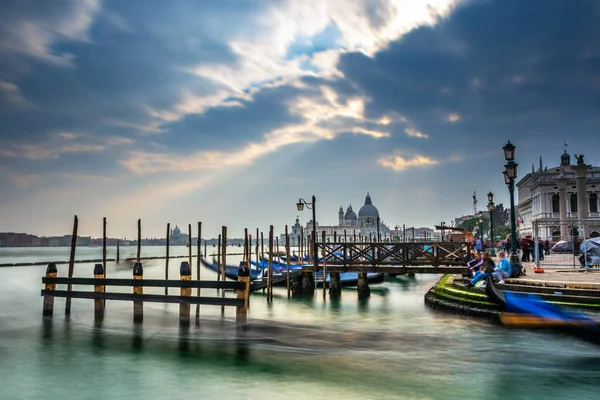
x=388, y=347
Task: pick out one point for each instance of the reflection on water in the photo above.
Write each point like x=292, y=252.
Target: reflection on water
x=389, y=346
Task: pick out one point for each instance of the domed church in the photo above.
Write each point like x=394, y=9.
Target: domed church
x=368, y=212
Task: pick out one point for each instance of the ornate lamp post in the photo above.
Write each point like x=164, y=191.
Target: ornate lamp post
x=311, y=206
x=491, y=207
x=397, y=228
x=510, y=174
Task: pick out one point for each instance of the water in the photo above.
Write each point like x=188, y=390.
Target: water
x=388, y=347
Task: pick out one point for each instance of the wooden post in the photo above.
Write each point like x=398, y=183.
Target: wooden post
x=51, y=272
x=218, y=260
x=324, y=265
x=205, y=253
x=190, y=246
x=72, y=263
x=224, y=262
x=104, y=247
x=287, y=260
x=138, y=306
x=334, y=237
x=198, y=257
x=277, y=251
x=167, y=256
x=262, y=254
x=185, y=273
x=118, y=248
x=270, y=272
x=139, y=240
x=243, y=276
x=99, y=303
x=302, y=246
x=256, y=251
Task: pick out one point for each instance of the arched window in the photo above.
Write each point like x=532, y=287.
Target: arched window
x=593, y=202
x=574, y=203
x=555, y=203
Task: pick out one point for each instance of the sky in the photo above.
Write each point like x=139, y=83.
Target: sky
x=227, y=112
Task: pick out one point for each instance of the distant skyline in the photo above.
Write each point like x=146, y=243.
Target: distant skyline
x=228, y=112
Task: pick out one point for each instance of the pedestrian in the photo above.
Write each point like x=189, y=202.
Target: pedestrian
x=547, y=247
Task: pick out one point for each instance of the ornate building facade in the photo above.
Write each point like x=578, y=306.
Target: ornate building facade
x=561, y=201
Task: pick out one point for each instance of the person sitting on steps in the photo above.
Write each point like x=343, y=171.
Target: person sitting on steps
x=488, y=265
x=475, y=264
x=502, y=269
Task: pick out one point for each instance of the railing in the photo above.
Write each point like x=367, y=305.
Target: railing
x=137, y=296
x=405, y=254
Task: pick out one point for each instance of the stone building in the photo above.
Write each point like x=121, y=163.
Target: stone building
x=562, y=201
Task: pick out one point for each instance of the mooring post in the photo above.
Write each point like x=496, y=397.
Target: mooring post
x=139, y=239
x=224, y=264
x=218, y=260
x=118, y=250
x=364, y=291
x=287, y=260
x=167, y=257
x=324, y=265
x=185, y=273
x=262, y=255
x=243, y=276
x=48, y=307
x=71, y=263
x=190, y=246
x=198, y=257
x=270, y=271
x=138, y=306
x=99, y=303
x=104, y=247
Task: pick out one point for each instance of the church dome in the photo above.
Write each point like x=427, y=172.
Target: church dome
x=176, y=231
x=368, y=210
x=350, y=215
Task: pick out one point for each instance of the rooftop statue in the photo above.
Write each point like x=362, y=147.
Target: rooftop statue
x=579, y=158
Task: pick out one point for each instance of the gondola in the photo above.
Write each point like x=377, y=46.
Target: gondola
x=231, y=271
x=524, y=310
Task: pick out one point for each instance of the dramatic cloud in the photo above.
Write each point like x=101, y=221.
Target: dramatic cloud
x=168, y=101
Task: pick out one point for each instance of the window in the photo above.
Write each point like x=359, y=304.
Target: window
x=593, y=202
x=555, y=203
x=574, y=203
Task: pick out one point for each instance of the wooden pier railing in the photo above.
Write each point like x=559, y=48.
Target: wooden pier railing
x=137, y=283
x=400, y=254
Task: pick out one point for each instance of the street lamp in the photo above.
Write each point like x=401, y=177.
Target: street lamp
x=311, y=206
x=491, y=207
x=510, y=174
x=397, y=228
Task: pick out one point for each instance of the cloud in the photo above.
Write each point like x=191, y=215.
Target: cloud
x=30, y=30
x=416, y=133
x=11, y=93
x=64, y=143
x=453, y=117
x=399, y=163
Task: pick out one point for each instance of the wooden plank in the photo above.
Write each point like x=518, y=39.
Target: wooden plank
x=152, y=298
x=143, y=282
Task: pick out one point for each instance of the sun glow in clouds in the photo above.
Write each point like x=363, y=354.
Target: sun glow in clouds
x=399, y=163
